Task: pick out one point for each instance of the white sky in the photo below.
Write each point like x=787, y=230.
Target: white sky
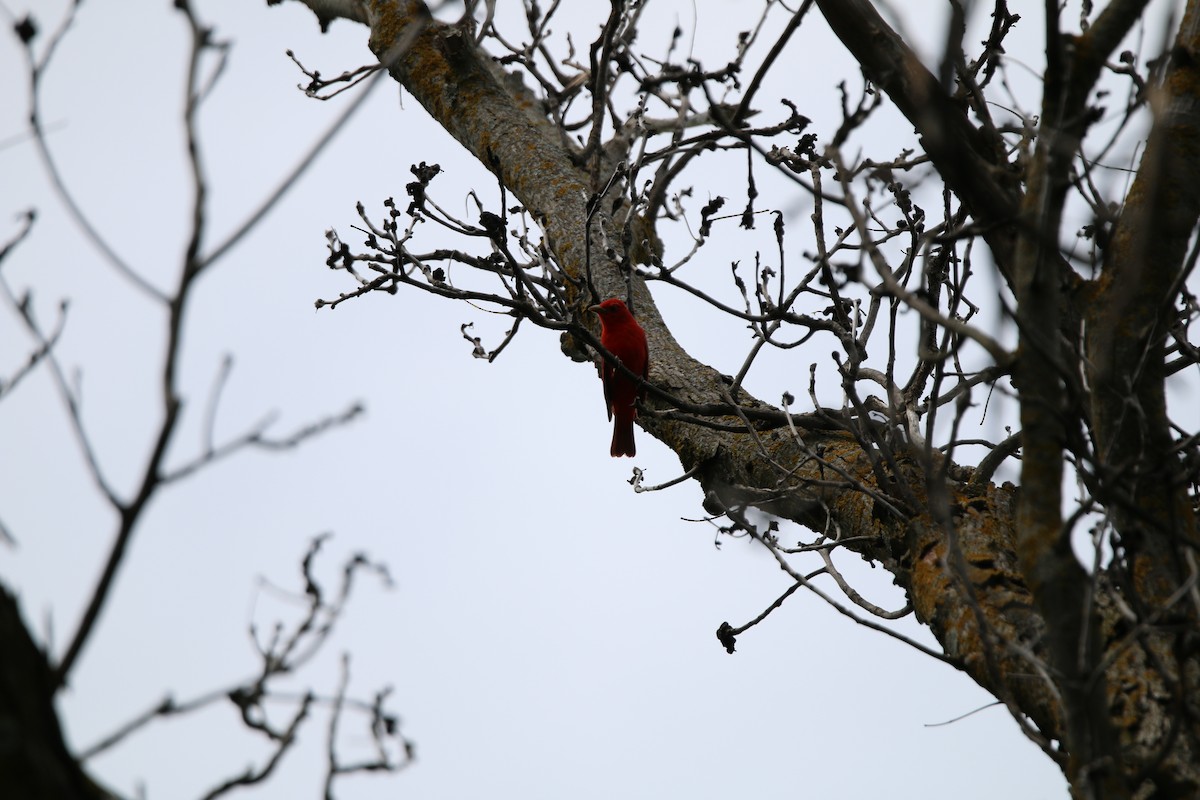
x=551, y=633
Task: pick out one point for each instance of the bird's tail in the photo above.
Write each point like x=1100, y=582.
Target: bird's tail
x=622, y=441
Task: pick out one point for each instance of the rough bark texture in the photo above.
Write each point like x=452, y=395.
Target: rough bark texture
x=1143, y=481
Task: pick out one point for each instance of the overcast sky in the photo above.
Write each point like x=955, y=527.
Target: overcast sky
x=550, y=632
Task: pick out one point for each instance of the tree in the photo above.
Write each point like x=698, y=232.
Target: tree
x=284, y=691
x=1027, y=304
x=596, y=158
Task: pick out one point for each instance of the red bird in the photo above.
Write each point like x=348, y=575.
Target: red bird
x=624, y=338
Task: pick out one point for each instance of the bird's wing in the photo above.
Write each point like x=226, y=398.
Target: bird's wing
x=607, y=375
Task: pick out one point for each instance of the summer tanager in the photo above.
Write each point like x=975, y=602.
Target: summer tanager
x=624, y=338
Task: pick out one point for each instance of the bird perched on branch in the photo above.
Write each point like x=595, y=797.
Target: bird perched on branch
x=621, y=335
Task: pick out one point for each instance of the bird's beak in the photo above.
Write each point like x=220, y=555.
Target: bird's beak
x=594, y=309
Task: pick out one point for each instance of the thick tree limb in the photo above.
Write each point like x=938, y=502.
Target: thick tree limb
x=1128, y=323
x=1143, y=479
